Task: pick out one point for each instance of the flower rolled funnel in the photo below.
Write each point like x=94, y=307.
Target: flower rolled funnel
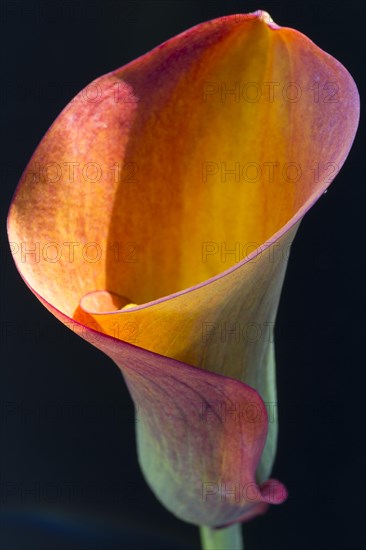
x=155, y=220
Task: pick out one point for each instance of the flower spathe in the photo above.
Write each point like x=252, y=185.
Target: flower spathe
x=150, y=168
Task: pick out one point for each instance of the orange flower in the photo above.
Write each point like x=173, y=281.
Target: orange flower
x=155, y=220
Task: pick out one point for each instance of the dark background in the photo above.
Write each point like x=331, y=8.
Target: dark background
x=69, y=475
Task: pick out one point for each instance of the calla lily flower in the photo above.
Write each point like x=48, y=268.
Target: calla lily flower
x=155, y=220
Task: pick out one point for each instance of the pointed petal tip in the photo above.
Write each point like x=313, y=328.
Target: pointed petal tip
x=274, y=492
x=271, y=491
x=264, y=16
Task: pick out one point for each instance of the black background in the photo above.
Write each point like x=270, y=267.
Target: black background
x=69, y=475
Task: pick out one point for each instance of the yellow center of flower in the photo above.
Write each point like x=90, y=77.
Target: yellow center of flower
x=102, y=301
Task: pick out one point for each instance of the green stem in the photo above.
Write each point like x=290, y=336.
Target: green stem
x=229, y=538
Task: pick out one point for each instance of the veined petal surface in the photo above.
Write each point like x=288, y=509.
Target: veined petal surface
x=155, y=219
